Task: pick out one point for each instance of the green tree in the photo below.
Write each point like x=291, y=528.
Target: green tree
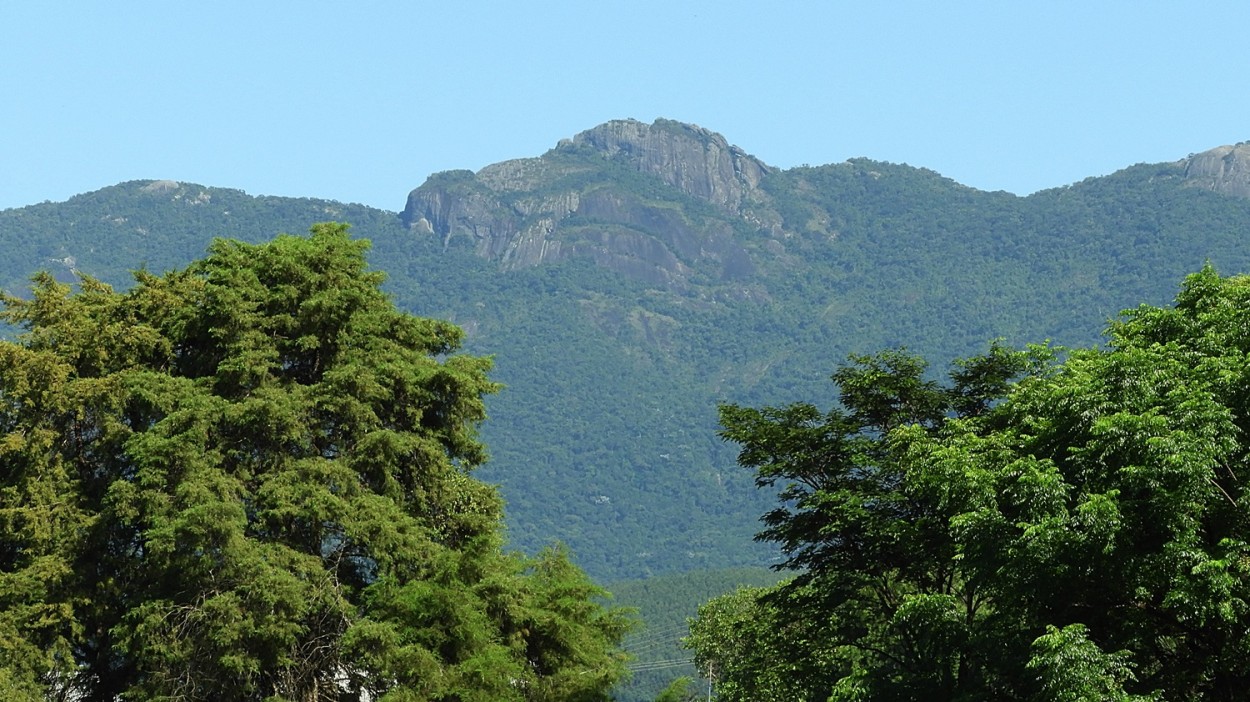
x=1115, y=497
x=1079, y=533
x=886, y=609
x=740, y=644
x=1071, y=668
x=250, y=479
x=680, y=690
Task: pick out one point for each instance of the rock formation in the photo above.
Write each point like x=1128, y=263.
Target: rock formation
x=1224, y=169
x=692, y=159
x=573, y=202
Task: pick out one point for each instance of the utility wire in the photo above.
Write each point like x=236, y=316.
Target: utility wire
x=662, y=664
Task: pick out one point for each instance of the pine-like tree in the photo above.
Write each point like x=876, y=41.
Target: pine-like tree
x=250, y=479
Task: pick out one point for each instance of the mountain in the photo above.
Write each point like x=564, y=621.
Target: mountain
x=636, y=274
x=660, y=203
x=156, y=224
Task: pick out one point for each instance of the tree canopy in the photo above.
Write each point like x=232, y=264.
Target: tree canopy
x=1034, y=529
x=250, y=479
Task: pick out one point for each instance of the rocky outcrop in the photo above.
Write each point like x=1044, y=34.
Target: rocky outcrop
x=690, y=158
x=571, y=202
x=1224, y=169
x=454, y=205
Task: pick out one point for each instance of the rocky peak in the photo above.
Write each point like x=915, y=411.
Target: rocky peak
x=697, y=161
x=1224, y=169
x=571, y=203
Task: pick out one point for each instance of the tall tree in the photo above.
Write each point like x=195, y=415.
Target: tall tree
x=250, y=479
x=1078, y=534
x=885, y=608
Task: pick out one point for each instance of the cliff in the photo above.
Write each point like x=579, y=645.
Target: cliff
x=657, y=202
x=1224, y=169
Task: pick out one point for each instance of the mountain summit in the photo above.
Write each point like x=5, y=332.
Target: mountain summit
x=696, y=161
x=1224, y=169
x=600, y=196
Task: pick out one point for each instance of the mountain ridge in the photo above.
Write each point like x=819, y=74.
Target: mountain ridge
x=1220, y=168
x=525, y=212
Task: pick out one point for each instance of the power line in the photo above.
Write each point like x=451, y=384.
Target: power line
x=661, y=664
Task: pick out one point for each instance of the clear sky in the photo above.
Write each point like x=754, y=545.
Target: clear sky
x=360, y=101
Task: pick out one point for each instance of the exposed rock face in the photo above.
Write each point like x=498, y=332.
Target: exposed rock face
x=571, y=202
x=690, y=158
x=1224, y=169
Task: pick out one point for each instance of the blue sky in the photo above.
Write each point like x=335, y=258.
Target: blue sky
x=361, y=101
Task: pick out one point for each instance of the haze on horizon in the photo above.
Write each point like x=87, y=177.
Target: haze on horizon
x=360, y=103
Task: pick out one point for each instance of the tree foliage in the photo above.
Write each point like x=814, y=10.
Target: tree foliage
x=738, y=644
x=250, y=479
x=1033, y=530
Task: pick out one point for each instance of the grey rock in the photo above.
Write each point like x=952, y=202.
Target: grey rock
x=1224, y=169
x=568, y=203
x=688, y=157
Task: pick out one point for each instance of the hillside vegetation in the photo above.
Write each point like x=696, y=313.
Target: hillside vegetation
x=636, y=275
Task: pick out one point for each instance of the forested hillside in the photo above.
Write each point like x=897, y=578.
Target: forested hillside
x=636, y=275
